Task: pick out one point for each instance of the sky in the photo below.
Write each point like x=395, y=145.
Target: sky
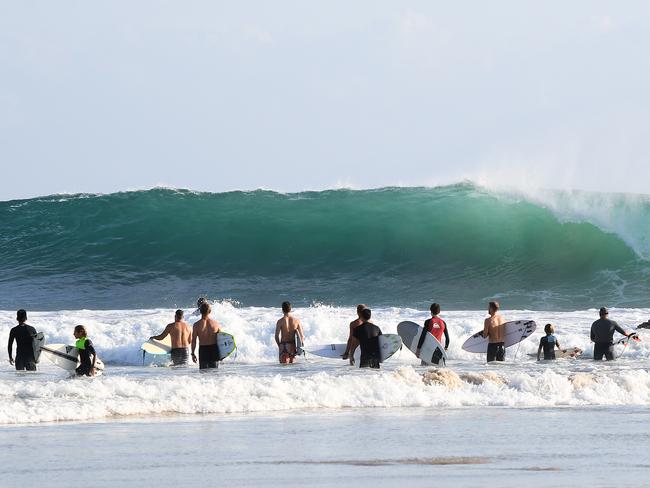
x=106, y=96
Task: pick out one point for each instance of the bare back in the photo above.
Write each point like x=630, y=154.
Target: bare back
x=494, y=328
x=205, y=330
x=180, y=334
x=287, y=328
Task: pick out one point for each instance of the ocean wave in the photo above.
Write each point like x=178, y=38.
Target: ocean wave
x=406, y=246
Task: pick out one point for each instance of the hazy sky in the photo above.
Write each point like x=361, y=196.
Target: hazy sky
x=114, y=95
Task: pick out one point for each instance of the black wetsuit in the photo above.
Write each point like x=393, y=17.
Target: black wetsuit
x=24, y=336
x=368, y=336
x=496, y=351
x=548, y=344
x=208, y=356
x=84, y=358
x=602, y=334
x=180, y=356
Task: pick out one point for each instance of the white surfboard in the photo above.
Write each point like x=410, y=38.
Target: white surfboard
x=226, y=343
x=38, y=341
x=66, y=356
x=155, y=347
x=432, y=352
x=389, y=344
x=564, y=353
x=515, y=332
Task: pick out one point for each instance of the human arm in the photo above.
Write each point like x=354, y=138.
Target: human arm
x=423, y=336
x=486, y=329
x=592, y=335
x=193, y=344
x=91, y=350
x=446, y=337
x=354, y=343
x=10, y=346
x=277, y=333
x=164, y=333
x=619, y=329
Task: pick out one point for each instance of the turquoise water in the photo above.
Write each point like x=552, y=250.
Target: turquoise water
x=460, y=245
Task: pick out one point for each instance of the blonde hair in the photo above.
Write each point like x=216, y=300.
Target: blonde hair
x=549, y=329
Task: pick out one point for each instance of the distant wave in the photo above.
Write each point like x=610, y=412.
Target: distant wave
x=460, y=243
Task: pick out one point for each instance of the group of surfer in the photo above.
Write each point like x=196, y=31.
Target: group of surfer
x=289, y=335
x=23, y=334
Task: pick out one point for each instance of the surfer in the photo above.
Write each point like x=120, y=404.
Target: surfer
x=436, y=326
x=353, y=325
x=644, y=325
x=23, y=334
x=494, y=331
x=181, y=336
x=86, y=349
x=548, y=343
x=205, y=330
x=285, y=334
x=367, y=337
x=602, y=335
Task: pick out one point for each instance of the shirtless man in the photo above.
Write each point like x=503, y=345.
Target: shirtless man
x=181, y=335
x=205, y=330
x=494, y=330
x=353, y=325
x=285, y=334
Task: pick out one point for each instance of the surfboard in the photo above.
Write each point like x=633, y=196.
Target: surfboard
x=66, y=356
x=564, y=353
x=624, y=341
x=226, y=343
x=152, y=346
x=299, y=346
x=389, y=344
x=37, y=342
x=432, y=352
x=516, y=331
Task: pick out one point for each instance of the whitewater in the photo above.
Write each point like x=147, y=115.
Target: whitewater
x=252, y=381
x=121, y=264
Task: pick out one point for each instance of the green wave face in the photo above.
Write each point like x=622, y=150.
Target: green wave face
x=460, y=245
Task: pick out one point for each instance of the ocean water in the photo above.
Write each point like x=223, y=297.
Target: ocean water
x=122, y=263
x=252, y=381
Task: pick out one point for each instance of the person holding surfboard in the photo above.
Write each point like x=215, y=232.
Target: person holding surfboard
x=602, y=335
x=436, y=326
x=205, y=331
x=86, y=349
x=285, y=335
x=353, y=325
x=181, y=337
x=494, y=331
x=367, y=337
x=24, y=335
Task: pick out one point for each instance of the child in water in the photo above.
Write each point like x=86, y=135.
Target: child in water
x=85, y=348
x=548, y=343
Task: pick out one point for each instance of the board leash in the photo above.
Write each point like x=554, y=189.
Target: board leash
x=519, y=343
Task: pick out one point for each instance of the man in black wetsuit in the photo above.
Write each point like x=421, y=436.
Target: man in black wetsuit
x=602, y=335
x=367, y=336
x=23, y=334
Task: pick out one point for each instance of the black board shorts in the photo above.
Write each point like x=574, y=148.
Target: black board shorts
x=603, y=349
x=496, y=352
x=180, y=356
x=208, y=356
